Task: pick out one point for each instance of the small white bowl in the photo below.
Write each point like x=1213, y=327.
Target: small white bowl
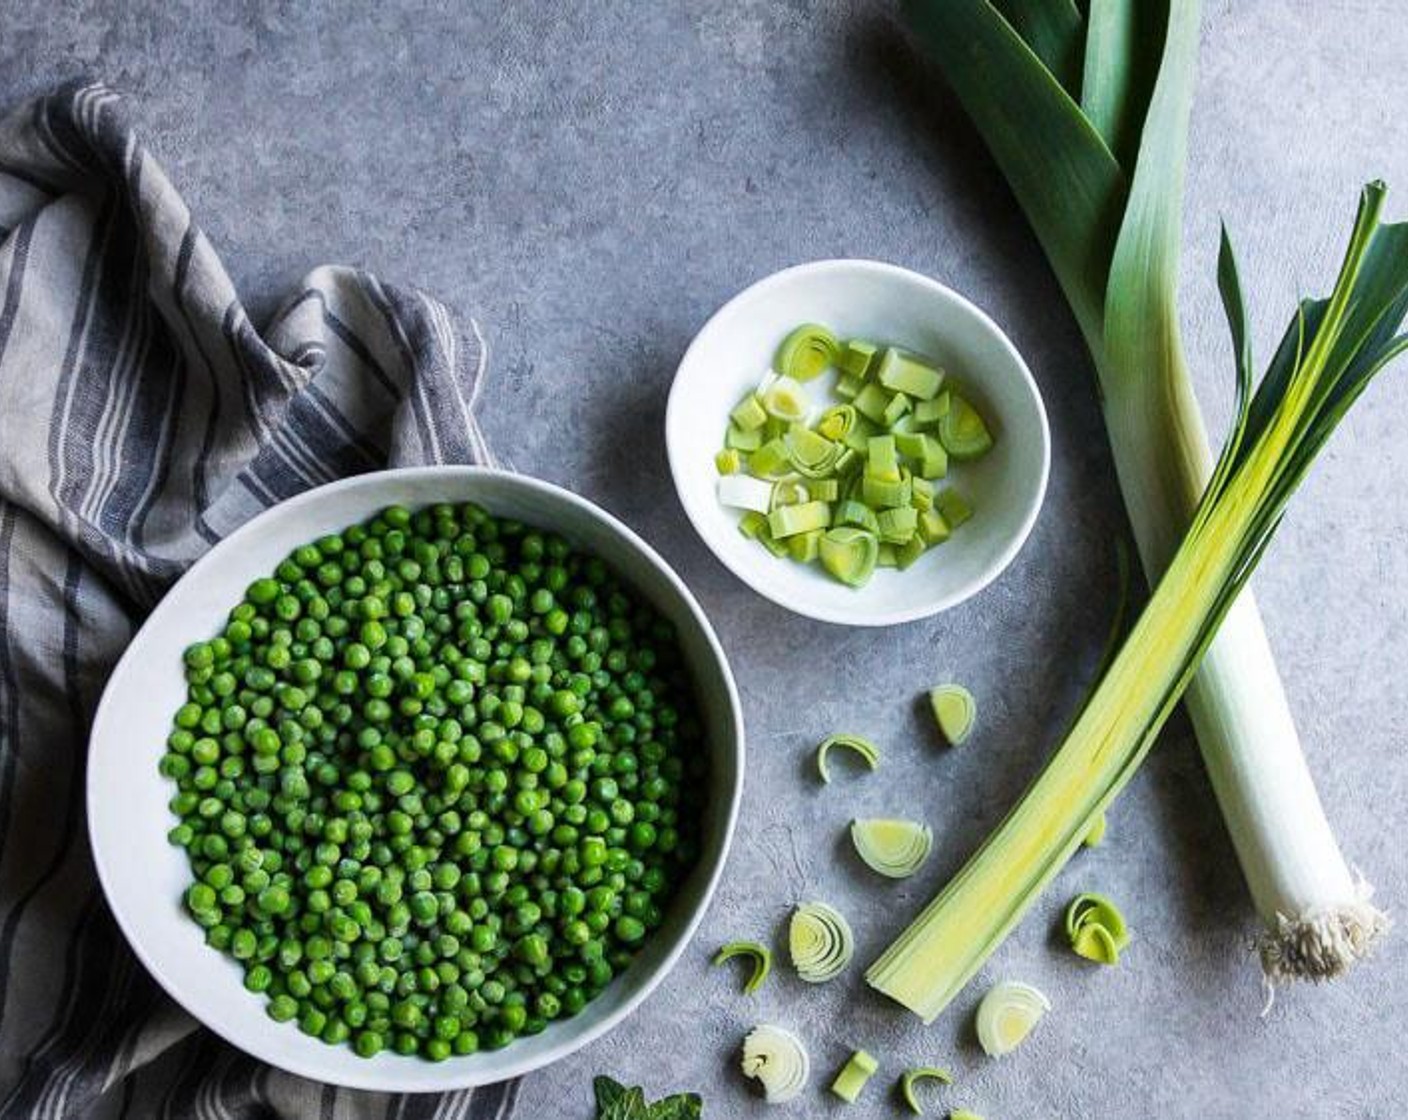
x=889, y=305
x=144, y=877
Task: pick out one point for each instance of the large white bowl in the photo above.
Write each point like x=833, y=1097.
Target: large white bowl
x=893, y=306
x=144, y=876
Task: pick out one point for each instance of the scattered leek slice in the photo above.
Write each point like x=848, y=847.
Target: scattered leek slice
x=1007, y=1015
x=785, y=399
x=867, y=750
x=911, y=1079
x=1096, y=928
x=962, y=430
x=963, y=1114
x=807, y=352
x=892, y=847
x=760, y=956
x=955, y=711
x=1096, y=836
x=820, y=942
x=777, y=1060
x=745, y=492
x=859, y=1069
x=849, y=554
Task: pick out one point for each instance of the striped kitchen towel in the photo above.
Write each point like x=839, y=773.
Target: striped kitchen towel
x=142, y=418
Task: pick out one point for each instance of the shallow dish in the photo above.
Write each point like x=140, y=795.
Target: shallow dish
x=144, y=876
x=890, y=305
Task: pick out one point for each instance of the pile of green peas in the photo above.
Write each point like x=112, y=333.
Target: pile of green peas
x=438, y=778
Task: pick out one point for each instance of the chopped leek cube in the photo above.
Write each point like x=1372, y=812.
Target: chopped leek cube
x=804, y=547
x=898, y=525
x=921, y=494
x=848, y=386
x=771, y=459
x=771, y=543
x=910, y=444
x=728, y=461
x=749, y=414
x=898, y=406
x=785, y=521
x=752, y=523
x=963, y=431
x=883, y=461
x=858, y=514
x=745, y=492
x=885, y=494
x=737, y=439
x=933, y=459
x=849, y=554
x=903, y=373
x=823, y=489
x=856, y=357
x=933, y=529
x=952, y=505
x=929, y=413
x=848, y=462
x=907, y=553
x=886, y=557
x=872, y=401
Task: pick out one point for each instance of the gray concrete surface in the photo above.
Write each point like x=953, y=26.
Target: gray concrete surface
x=591, y=181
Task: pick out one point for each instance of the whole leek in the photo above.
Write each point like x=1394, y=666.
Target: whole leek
x=1327, y=357
x=1087, y=117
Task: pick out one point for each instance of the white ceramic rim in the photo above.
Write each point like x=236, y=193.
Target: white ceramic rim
x=874, y=618
x=437, y=1076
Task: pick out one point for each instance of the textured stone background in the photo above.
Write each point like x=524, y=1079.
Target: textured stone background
x=591, y=181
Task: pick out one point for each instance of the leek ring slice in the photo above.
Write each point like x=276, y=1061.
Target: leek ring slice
x=860, y=745
x=777, y=1060
x=1007, y=1015
x=893, y=848
x=820, y=942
